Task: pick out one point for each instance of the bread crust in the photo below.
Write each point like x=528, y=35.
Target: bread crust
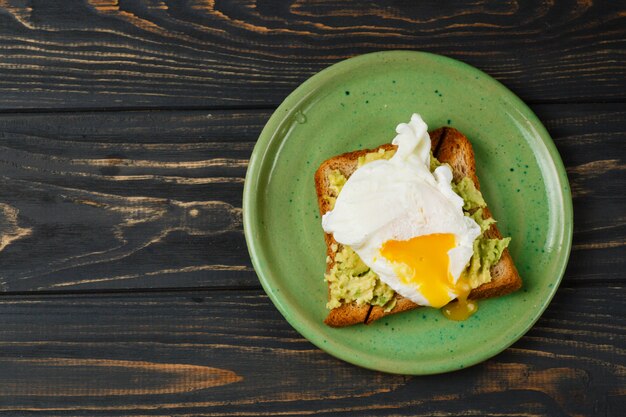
x=449, y=146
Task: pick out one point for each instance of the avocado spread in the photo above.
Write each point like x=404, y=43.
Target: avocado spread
x=472, y=198
x=336, y=180
x=350, y=280
x=434, y=162
x=373, y=156
x=487, y=251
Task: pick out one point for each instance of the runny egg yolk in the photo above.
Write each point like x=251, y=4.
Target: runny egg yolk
x=423, y=261
x=462, y=308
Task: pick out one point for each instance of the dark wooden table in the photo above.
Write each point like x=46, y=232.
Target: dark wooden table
x=125, y=132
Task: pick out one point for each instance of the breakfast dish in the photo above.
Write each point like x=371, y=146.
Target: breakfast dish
x=407, y=226
x=355, y=105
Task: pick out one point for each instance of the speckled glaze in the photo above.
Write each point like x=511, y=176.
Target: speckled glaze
x=357, y=104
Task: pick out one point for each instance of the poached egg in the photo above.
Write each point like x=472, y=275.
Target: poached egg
x=405, y=222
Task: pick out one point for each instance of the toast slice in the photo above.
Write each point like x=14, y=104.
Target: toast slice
x=449, y=146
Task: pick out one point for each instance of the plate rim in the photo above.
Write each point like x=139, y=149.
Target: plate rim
x=269, y=133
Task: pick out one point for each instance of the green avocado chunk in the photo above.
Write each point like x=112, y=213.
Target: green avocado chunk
x=487, y=253
x=472, y=198
x=350, y=280
x=374, y=156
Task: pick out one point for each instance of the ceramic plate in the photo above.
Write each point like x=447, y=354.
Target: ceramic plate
x=357, y=104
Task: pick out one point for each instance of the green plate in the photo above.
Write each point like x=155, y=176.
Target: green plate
x=357, y=104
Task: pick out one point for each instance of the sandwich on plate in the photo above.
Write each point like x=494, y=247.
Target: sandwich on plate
x=406, y=226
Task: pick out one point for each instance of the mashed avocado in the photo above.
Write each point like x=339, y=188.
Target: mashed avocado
x=350, y=280
x=336, y=180
x=373, y=156
x=487, y=252
x=484, y=224
x=471, y=196
x=434, y=162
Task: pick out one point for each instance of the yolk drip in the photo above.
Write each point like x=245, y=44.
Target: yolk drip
x=424, y=261
x=462, y=308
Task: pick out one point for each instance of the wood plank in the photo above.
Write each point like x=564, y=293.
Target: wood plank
x=127, y=200
x=231, y=353
x=147, y=53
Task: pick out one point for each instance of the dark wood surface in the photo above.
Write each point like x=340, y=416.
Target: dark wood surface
x=230, y=353
x=225, y=53
x=125, y=132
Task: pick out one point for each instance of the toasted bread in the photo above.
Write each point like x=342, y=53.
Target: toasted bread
x=449, y=146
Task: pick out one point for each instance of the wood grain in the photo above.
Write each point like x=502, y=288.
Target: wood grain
x=69, y=377
x=125, y=200
x=125, y=132
x=231, y=353
x=151, y=53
